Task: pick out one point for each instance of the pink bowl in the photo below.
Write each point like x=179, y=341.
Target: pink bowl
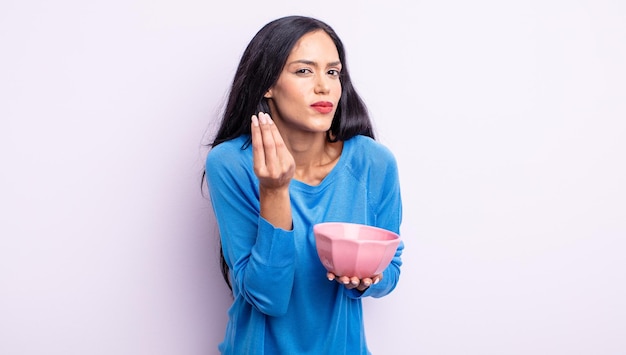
x=350, y=249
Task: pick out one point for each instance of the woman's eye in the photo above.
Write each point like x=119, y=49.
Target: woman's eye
x=304, y=71
x=334, y=72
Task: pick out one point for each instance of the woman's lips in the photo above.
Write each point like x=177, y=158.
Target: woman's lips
x=323, y=106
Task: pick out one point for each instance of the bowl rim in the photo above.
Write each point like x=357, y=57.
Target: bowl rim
x=397, y=235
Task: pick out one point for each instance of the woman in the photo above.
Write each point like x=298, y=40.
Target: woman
x=295, y=148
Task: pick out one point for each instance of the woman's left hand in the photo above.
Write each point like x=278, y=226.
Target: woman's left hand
x=354, y=282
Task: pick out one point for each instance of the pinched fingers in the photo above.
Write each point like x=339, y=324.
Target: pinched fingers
x=263, y=146
x=273, y=163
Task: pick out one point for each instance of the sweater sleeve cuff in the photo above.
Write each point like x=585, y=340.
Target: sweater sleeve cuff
x=275, y=247
x=356, y=294
x=376, y=290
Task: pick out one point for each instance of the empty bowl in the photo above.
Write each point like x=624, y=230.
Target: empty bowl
x=351, y=249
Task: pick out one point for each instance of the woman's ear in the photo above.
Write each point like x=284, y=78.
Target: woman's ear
x=268, y=94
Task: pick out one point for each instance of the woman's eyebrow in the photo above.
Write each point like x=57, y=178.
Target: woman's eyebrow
x=313, y=63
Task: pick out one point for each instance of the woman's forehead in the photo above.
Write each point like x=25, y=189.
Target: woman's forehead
x=315, y=47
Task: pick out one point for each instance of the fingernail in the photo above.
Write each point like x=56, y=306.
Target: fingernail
x=255, y=121
x=262, y=118
x=376, y=281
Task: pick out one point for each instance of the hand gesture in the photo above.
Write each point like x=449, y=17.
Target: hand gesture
x=273, y=163
x=274, y=166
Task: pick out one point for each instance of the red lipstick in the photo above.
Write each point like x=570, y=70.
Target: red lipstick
x=323, y=106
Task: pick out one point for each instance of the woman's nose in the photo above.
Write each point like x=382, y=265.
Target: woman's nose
x=322, y=85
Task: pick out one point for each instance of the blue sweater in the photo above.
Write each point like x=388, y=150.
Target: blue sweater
x=283, y=302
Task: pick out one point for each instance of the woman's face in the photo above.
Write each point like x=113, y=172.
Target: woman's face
x=307, y=92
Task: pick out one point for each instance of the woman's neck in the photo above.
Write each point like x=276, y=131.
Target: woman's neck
x=314, y=156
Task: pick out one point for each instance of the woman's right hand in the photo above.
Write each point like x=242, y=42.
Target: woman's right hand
x=274, y=166
x=273, y=163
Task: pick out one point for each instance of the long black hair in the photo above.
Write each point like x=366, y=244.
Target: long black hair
x=259, y=68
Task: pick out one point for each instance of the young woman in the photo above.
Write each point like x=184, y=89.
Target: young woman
x=295, y=148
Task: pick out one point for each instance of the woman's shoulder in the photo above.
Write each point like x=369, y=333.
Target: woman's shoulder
x=364, y=147
x=229, y=151
x=369, y=161
x=230, y=160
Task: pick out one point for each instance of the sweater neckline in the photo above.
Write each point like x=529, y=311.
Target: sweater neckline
x=347, y=144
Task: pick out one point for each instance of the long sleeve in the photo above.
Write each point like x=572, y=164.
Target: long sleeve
x=383, y=184
x=259, y=256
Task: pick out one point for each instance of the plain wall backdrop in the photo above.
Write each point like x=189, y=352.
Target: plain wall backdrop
x=508, y=120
